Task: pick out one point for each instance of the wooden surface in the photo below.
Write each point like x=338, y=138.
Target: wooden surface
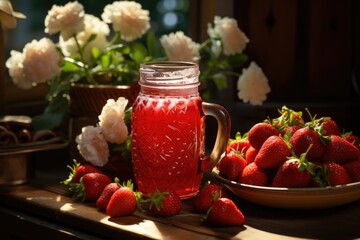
x=48, y=201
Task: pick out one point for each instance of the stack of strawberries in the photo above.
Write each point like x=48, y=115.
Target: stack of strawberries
x=288, y=152
x=89, y=184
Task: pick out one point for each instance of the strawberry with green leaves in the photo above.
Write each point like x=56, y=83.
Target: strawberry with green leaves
x=123, y=201
x=90, y=187
x=260, y=132
x=301, y=141
x=231, y=165
x=77, y=171
x=106, y=194
x=240, y=144
x=273, y=153
x=350, y=137
x=253, y=175
x=329, y=127
x=353, y=168
x=164, y=204
x=340, y=151
x=288, y=121
x=206, y=197
x=295, y=172
x=224, y=213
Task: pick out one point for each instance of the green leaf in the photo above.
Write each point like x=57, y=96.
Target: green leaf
x=95, y=53
x=138, y=52
x=220, y=81
x=105, y=61
x=150, y=42
x=69, y=66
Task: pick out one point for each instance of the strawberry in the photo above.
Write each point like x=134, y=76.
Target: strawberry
x=90, y=187
x=251, y=154
x=231, y=165
x=106, y=194
x=260, y=132
x=240, y=144
x=124, y=201
x=353, y=168
x=329, y=127
x=289, y=175
x=295, y=172
x=303, y=138
x=165, y=204
x=290, y=130
x=206, y=197
x=350, y=137
x=273, y=153
x=340, y=151
x=223, y=213
x=338, y=174
x=78, y=170
x=253, y=175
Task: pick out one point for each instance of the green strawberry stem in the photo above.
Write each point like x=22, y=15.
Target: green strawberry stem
x=73, y=170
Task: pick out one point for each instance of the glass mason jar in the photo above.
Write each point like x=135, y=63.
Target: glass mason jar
x=168, y=129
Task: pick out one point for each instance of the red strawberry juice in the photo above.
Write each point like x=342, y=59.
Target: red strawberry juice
x=167, y=143
x=168, y=129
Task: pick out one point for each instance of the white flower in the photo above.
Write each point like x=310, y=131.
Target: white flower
x=112, y=122
x=179, y=47
x=93, y=25
x=93, y=146
x=67, y=19
x=253, y=85
x=38, y=63
x=128, y=18
x=233, y=38
x=16, y=70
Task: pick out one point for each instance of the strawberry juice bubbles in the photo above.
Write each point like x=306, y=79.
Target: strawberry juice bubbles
x=168, y=149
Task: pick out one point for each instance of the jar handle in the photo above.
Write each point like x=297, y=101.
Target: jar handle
x=223, y=134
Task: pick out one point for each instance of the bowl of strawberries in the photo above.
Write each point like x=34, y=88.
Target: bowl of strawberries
x=287, y=162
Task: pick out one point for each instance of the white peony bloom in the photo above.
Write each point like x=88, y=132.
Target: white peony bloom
x=93, y=146
x=128, y=18
x=16, y=70
x=38, y=63
x=179, y=47
x=253, y=85
x=234, y=40
x=112, y=122
x=67, y=19
x=93, y=25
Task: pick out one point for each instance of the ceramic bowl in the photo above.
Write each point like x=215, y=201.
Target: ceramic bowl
x=293, y=198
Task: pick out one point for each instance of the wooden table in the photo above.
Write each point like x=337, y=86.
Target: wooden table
x=42, y=209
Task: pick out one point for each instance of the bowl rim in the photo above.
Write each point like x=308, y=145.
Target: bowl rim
x=349, y=186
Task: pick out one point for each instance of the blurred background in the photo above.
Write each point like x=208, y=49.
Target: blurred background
x=309, y=50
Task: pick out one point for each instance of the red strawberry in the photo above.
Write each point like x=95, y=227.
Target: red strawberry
x=223, y=213
x=123, y=202
x=352, y=139
x=290, y=130
x=338, y=174
x=78, y=170
x=206, y=197
x=340, y=151
x=231, y=165
x=273, y=153
x=260, y=132
x=165, y=204
x=251, y=154
x=240, y=144
x=105, y=196
x=289, y=175
x=353, y=168
x=303, y=138
x=90, y=187
x=329, y=127
x=295, y=172
x=253, y=175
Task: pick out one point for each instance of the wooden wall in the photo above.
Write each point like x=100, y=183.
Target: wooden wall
x=310, y=52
